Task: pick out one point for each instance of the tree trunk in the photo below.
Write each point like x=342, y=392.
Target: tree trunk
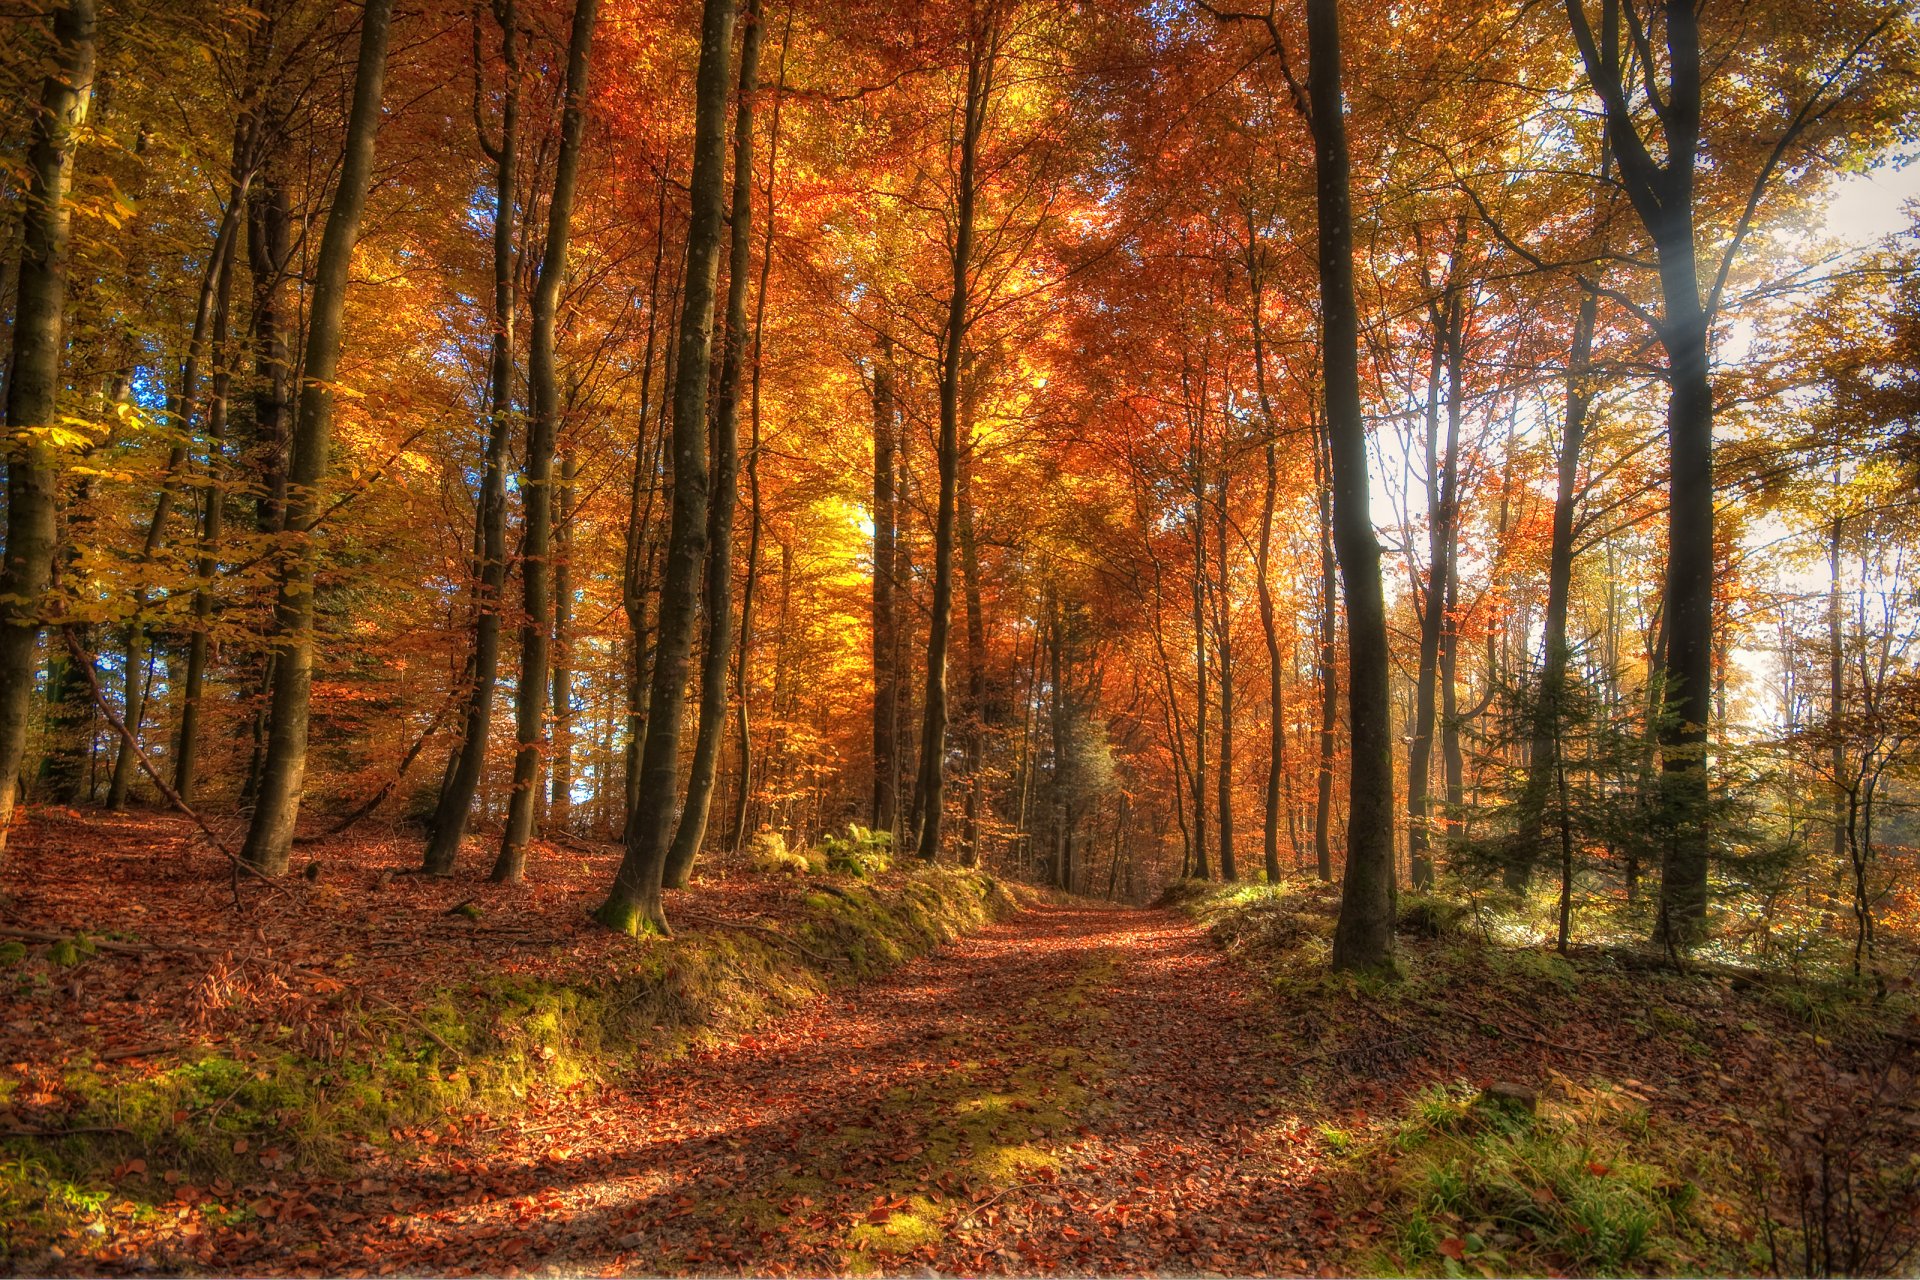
x=283, y=772
x=181, y=409
x=886, y=642
x=637, y=570
x=1263, y=562
x=1543, y=756
x=634, y=903
x=1196, y=460
x=462, y=782
x=560, y=790
x=1662, y=196
x=983, y=48
x=724, y=455
x=536, y=482
x=1329, y=664
x=1223, y=622
x=976, y=633
x=33, y=383
x=212, y=528
x=741, y=691
x=1363, y=938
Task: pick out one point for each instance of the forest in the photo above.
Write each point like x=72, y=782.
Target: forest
x=960, y=636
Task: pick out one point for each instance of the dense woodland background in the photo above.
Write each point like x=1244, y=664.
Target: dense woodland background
x=981, y=431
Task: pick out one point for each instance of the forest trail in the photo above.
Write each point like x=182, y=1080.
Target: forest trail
x=1074, y=1089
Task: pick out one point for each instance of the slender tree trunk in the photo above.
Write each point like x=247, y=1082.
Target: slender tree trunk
x=212, y=528
x=983, y=48
x=1543, y=756
x=976, y=633
x=1329, y=665
x=634, y=903
x=886, y=641
x=462, y=782
x=181, y=410
x=1197, y=457
x=1428, y=607
x=269, y=838
x=637, y=570
x=33, y=382
x=1223, y=622
x=536, y=482
x=283, y=772
x=1363, y=937
x=560, y=792
x=741, y=671
x=1263, y=582
x=724, y=456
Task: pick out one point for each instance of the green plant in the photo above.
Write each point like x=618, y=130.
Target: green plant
x=862, y=853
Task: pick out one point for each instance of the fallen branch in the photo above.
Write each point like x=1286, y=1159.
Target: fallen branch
x=63, y=1133
x=110, y=944
x=388, y=787
x=423, y=1028
x=132, y=741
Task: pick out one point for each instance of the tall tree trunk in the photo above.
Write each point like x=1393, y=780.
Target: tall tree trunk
x=1329, y=662
x=886, y=641
x=1263, y=562
x=33, y=383
x=283, y=772
x=741, y=690
x=1223, y=624
x=975, y=723
x=462, y=782
x=181, y=410
x=536, y=481
x=1197, y=461
x=1443, y=465
x=634, y=903
x=724, y=458
x=1363, y=938
x=560, y=792
x=269, y=247
x=212, y=524
x=983, y=47
x=1543, y=756
x=1662, y=196
x=638, y=569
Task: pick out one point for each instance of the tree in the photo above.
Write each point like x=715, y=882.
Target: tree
x=536, y=481
x=1363, y=938
x=33, y=382
x=724, y=455
x=983, y=49
x=462, y=780
x=269, y=839
x=634, y=901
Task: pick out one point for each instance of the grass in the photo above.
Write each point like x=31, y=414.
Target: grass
x=1577, y=1189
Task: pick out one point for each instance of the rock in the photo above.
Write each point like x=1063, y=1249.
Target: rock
x=1504, y=1095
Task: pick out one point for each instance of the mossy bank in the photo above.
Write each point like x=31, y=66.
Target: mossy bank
x=471, y=1055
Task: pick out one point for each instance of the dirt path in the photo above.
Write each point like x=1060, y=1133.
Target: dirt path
x=1077, y=1089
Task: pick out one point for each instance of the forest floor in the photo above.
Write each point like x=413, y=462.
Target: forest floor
x=1072, y=1088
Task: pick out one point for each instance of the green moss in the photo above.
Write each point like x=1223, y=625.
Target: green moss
x=904, y=1230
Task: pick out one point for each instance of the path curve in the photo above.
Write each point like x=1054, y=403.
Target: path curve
x=1076, y=1089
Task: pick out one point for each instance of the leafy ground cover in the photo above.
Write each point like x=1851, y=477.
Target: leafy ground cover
x=1721, y=1121
x=872, y=1072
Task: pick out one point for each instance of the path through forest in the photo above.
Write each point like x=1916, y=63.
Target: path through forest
x=1076, y=1089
